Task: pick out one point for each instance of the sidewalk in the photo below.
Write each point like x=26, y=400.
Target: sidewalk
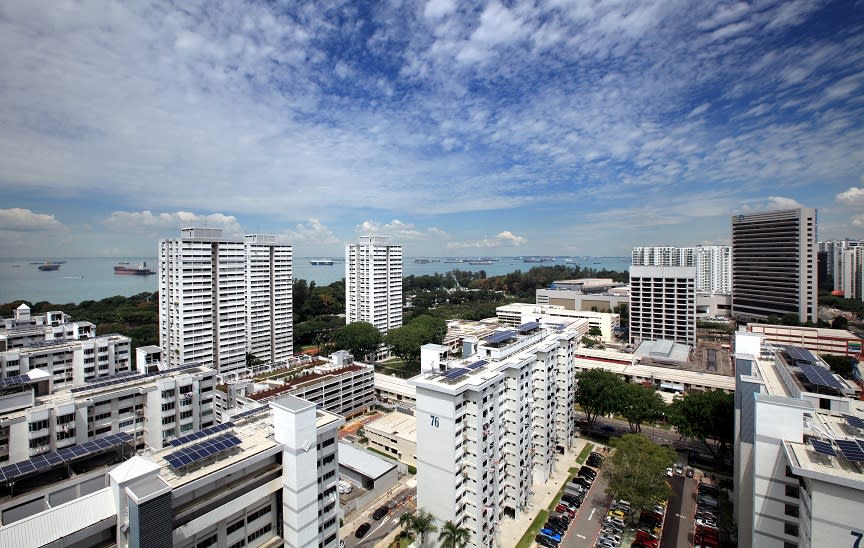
x=512, y=530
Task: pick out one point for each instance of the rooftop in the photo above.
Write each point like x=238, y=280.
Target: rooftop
x=363, y=461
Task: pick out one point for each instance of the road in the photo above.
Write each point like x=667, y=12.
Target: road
x=404, y=500
x=586, y=525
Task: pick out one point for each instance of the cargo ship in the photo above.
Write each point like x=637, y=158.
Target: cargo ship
x=140, y=270
x=321, y=262
x=48, y=265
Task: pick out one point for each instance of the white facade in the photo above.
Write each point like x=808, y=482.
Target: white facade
x=35, y=418
x=373, y=283
x=220, y=299
x=853, y=273
x=835, y=260
x=518, y=313
x=663, y=303
x=713, y=263
x=276, y=486
x=787, y=494
x=26, y=329
x=486, y=435
x=70, y=362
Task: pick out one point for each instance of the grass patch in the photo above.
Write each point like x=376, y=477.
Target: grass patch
x=583, y=455
x=382, y=453
x=536, y=525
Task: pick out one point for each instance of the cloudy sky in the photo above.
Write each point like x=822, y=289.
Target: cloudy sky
x=458, y=128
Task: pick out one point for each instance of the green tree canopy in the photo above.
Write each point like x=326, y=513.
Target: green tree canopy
x=705, y=415
x=453, y=536
x=637, y=470
x=599, y=392
x=595, y=331
x=358, y=338
x=842, y=365
x=640, y=404
x=405, y=341
x=419, y=523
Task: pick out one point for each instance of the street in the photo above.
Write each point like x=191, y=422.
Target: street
x=403, y=500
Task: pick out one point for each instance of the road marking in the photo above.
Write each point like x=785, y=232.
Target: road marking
x=580, y=536
x=592, y=514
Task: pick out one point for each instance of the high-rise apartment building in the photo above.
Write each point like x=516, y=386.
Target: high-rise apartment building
x=494, y=423
x=798, y=431
x=853, y=273
x=373, y=283
x=663, y=303
x=774, y=264
x=219, y=299
x=713, y=263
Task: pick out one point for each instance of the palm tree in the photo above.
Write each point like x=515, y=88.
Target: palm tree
x=419, y=523
x=453, y=536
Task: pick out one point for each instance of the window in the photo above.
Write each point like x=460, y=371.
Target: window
x=38, y=425
x=792, y=510
x=168, y=406
x=790, y=529
x=167, y=420
x=209, y=541
x=792, y=491
x=260, y=532
x=236, y=526
x=258, y=513
x=239, y=544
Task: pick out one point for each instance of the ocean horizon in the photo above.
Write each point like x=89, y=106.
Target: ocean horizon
x=92, y=278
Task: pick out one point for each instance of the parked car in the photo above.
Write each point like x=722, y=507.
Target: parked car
x=380, y=512
x=669, y=471
x=689, y=472
x=616, y=514
x=545, y=541
x=551, y=534
x=616, y=521
x=710, y=524
x=587, y=471
x=554, y=527
x=565, y=509
x=679, y=469
x=362, y=530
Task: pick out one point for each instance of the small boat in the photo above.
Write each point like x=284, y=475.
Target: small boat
x=73, y=277
x=481, y=261
x=140, y=270
x=49, y=266
x=422, y=261
x=321, y=262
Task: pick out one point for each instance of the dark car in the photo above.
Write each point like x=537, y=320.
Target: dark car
x=588, y=472
x=362, y=530
x=545, y=541
x=689, y=472
x=555, y=527
x=583, y=481
x=380, y=513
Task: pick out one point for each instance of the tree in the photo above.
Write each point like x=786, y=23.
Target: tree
x=418, y=523
x=842, y=365
x=839, y=322
x=588, y=342
x=599, y=392
x=640, y=404
x=406, y=341
x=595, y=331
x=637, y=470
x=453, y=536
x=705, y=415
x=358, y=338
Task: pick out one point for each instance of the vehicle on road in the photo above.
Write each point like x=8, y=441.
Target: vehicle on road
x=362, y=530
x=689, y=472
x=380, y=512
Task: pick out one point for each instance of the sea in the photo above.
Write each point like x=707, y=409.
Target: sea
x=81, y=279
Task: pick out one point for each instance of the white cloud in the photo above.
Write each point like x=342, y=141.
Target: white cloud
x=435, y=9
x=23, y=220
x=858, y=220
x=396, y=229
x=853, y=196
x=313, y=232
x=503, y=239
x=136, y=221
x=769, y=203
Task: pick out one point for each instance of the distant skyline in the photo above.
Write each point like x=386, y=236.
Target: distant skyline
x=456, y=128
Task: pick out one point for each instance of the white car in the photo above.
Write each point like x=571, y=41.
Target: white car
x=707, y=523
x=669, y=472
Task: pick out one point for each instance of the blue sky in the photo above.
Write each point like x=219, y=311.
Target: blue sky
x=573, y=128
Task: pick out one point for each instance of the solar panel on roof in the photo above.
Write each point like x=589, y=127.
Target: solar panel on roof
x=820, y=376
x=455, y=373
x=851, y=450
x=798, y=353
x=500, y=336
x=14, y=380
x=202, y=433
x=477, y=364
x=528, y=326
x=251, y=412
x=199, y=451
x=854, y=421
x=824, y=447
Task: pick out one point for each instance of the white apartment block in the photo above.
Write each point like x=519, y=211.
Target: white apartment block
x=491, y=425
x=219, y=299
x=774, y=264
x=713, y=263
x=153, y=408
x=663, y=304
x=518, y=313
x=853, y=273
x=267, y=478
x=70, y=362
x=25, y=328
x=798, y=469
x=835, y=260
x=373, y=283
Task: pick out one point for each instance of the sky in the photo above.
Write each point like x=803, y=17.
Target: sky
x=456, y=128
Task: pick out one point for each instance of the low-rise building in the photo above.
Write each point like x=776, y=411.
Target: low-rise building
x=518, y=313
x=25, y=328
x=267, y=478
x=816, y=339
x=394, y=391
x=396, y=434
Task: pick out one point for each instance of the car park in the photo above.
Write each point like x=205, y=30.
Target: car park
x=362, y=530
x=380, y=512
